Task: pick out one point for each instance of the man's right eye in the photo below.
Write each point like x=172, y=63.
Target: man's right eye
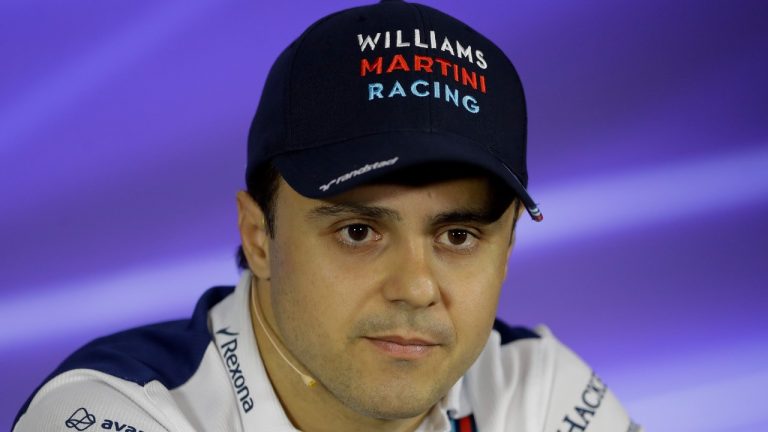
x=357, y=234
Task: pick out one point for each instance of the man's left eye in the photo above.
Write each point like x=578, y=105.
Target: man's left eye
x=458, y=238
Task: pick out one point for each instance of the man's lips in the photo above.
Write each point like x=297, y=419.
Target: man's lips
x=402, y=340
x=401, y=347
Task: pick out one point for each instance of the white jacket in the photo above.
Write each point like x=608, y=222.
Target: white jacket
x=205, y=374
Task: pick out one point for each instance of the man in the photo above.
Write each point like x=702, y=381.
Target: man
x=386, y=172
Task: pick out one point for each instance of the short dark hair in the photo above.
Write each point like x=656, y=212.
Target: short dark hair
x=262, y=186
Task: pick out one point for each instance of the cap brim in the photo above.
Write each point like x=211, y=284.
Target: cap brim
x=331, y=169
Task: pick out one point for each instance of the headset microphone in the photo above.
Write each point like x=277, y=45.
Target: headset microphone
x=308, y=380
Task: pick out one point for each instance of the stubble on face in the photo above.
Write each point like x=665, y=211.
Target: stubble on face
x=347, y=368
x=326, y=303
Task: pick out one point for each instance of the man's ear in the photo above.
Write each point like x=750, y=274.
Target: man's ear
x=253, y=235
x=518, y=210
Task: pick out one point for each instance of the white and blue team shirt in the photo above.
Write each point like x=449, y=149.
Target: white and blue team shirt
x=205, y=374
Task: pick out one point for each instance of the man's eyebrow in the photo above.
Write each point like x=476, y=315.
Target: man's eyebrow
x=354, y=209
x=483, y=217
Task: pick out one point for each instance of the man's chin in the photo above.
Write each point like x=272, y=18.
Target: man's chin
x=401, y=410
x=389, y=401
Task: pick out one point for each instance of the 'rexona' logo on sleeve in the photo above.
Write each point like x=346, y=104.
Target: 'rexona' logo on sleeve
x=80, y=420
x=228, y=352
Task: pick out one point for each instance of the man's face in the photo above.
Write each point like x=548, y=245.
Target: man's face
x=387, y=293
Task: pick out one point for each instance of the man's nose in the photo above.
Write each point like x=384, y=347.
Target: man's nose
x=413, y=282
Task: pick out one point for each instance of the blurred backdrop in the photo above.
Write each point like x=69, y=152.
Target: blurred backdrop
x=122, y=144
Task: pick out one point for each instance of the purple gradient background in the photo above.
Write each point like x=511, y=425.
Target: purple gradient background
x=122, y=143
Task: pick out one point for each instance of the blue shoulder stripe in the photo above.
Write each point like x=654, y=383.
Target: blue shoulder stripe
x=511, y=334
x=169, y=352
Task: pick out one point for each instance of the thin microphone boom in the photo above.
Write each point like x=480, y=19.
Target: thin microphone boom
x=308, y=380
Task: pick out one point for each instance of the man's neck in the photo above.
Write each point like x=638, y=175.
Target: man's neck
x=310, y=409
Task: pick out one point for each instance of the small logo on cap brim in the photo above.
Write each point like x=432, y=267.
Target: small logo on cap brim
x=363, y=170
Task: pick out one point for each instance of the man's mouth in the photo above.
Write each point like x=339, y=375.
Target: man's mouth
x=403, y=347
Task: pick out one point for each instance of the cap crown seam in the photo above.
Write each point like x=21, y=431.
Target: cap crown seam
x=288, y=85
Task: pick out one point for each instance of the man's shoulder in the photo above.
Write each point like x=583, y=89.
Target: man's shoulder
x=165, y=354
x=80, y=398
x=579, y=399
x=530, y=373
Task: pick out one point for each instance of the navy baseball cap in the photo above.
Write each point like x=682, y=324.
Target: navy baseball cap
x=374, y=89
